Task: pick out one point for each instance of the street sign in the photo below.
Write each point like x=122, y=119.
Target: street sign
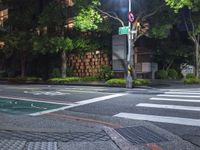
x=131, y=17
x=123, y=30
x=119, y=53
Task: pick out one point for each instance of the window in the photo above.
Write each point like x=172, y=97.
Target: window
x=3, y=16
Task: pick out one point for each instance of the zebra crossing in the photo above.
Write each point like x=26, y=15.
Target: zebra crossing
x=185, y=100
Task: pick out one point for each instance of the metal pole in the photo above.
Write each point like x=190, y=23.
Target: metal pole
x=129, y=67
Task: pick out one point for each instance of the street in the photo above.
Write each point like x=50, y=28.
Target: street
x=174, y=110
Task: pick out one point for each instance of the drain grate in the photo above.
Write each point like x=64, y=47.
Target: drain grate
x=140, y=135
x=54, y=136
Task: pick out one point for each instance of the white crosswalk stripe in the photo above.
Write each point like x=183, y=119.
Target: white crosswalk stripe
x=163, y=119
x=167, y=95
x=184, y=93
x=181, y=97
x=177, y=107
x=175, y=100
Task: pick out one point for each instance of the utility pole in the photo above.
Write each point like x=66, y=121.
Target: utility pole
x=129, y=66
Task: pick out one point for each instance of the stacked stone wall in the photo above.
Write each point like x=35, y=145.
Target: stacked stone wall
x=87, y=64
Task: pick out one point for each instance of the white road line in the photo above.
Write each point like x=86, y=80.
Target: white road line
x=34, y=100
x=177, y=107
x=81, y=91
x=163, y=119
x=173, y=99
x=80, y=103
x=185, y=93
x=181, y=90
x=168, y=95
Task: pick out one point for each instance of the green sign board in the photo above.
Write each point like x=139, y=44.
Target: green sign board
x=123, y=30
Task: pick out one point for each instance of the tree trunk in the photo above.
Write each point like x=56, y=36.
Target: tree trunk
x=63, y=64
x=197, y=62
x=23, y=64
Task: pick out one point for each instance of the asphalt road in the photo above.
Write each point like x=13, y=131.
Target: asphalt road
x=176, y=110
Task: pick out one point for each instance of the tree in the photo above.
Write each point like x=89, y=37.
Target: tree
x=22, y=22
x=54, y=17
x=21, y=43
x=191, y=21
x=171, y=53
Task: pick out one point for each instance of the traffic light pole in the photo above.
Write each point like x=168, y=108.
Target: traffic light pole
x=129, y=64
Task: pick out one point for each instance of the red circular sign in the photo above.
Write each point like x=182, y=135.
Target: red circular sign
x=131, y=17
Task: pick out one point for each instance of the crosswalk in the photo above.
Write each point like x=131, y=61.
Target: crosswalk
x=185, y=100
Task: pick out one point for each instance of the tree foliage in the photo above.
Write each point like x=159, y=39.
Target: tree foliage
x=87, y=17
x=178, y=4
x=53, y=14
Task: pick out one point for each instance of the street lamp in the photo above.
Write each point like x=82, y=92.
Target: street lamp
x=129, y=64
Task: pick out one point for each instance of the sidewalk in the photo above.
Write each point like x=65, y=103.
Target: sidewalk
x=90, y=132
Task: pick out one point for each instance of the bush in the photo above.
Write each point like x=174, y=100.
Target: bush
x=191, y=81
x=190, y=76
x=71, y=80
x=140, y=82
x=89, y=79
x=161, y=74
x=122, y=82
x=3, y=74
x=105, y=73
x=64, y=80
x=24, y=79
x=116, y=82
x=172, y=74
x=55, y=73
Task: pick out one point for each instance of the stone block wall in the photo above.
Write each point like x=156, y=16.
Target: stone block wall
x=87, y=64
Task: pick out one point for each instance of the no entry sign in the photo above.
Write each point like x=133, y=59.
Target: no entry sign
x=131, y=17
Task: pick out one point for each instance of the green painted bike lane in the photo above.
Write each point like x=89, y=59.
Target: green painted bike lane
x=22, y=107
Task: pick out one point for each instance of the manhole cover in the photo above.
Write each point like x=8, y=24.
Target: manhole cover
x=140, y=135
x=54, y=136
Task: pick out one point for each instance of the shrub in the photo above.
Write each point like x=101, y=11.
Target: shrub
x=3, y=74
x=89, y=79
x=116, y=82
x=161, y=74
x=24, y=79
x=191, y=81
x=140, y=82
x=190, y=76
x=172, y=74
x=55, y=73
x=122, y=82
x=105, y=73
x=64, y=80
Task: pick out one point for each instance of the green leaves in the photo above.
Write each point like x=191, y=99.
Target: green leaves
x=53, y=14
x=61, y=43
x=88, y=19
x=45, y=44
x=178, y=4
x=160, y=31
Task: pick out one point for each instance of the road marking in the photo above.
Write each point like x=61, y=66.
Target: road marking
x=162, y=119
x=34, y=100
x=49, y=93
x=185, y=93
x=177, y=107
x=167, y=95
x=81, y=91
x=80, y=103
x=177, y=100
x=98, y=99
x=180, y=90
